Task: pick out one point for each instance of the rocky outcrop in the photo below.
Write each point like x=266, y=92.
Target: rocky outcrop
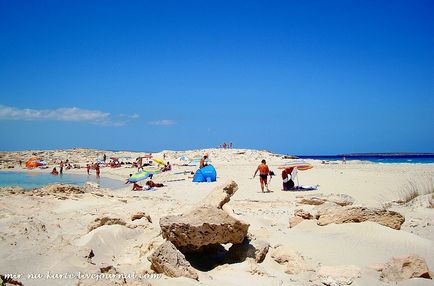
x=328, y=213
x=338, y=275
x=104, y=221
x=205, y=225
x=140, y=215
x=249, y=248
x=360, y=214
x=404, y=267
x=221, y=195
x=59, y=189
x=170, y=261
x=319, y=199
x=299, y=216
x=201, y=227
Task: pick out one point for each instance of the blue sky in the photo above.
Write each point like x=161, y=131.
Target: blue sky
x=297, y=77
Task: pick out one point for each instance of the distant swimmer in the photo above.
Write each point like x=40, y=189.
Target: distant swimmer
x=264, y=171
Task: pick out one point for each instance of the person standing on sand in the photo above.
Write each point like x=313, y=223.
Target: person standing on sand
x=88, y=169
x=264, y=171
x=97, y=170
x=61, y=167
x=139, y=164
x=202, y=161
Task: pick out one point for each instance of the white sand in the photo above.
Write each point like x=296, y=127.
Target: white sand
x=40, y=234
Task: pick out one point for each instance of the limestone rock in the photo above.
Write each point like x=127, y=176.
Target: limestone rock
x=104, y=221
x=140, y=215
x=170, y=261
x=351, y=214
x=221, y=195
x=338, y=275
x=319, y=199
x=293, y=221
x=299, y=216
x=201, y=227
x=249, y=248
x=59, y=189
x=405, y=267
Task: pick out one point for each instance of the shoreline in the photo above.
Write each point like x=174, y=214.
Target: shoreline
x=57, y=230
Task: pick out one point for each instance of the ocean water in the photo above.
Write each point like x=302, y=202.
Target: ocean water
x=29, y=180
x=395, y=159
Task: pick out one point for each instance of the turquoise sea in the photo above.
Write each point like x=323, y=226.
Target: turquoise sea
x=385, y=159
x=29, y=180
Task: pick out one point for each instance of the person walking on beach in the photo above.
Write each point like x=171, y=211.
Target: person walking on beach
x=264, y=171
x=97, y=170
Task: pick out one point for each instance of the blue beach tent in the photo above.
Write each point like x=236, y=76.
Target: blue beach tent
x=206, y=174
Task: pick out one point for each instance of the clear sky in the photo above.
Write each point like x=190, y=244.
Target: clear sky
x=296, y=77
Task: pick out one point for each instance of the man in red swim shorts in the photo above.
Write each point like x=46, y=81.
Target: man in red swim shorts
x=263, y=175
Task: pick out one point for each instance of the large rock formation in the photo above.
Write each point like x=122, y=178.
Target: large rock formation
x=170, y=261
x=352, y=214
x=404, y=267
x=329, y=212
x=206, y=225
x=319, y=199
x=201, y=227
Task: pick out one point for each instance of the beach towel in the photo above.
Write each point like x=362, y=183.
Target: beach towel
x=304, y=188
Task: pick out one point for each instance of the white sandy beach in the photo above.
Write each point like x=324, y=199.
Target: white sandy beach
x=49, y=232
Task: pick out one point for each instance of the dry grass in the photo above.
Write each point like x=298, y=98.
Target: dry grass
x=431, y=201
x=413, y=189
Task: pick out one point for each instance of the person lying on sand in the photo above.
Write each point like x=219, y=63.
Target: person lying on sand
x=149, y=185
x=167, y=167
x=264, y=171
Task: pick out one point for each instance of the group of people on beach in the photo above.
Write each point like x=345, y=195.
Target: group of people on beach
x=226, y=146
x=264, y=172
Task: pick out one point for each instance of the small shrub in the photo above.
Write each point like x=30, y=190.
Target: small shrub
x=414, y=189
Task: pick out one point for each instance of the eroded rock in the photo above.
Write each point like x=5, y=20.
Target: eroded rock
x=404, y=267
x=249, y=248
x=59, y=189
x=170, y=261
x=207, y=224
x=319, y=199
x=105, y=221
x=220, y=195
x=140, y=215
x=353, y=214
x=201, y=227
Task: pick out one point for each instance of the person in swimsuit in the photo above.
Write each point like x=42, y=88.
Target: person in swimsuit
x=264, y=171
x=203, y=161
